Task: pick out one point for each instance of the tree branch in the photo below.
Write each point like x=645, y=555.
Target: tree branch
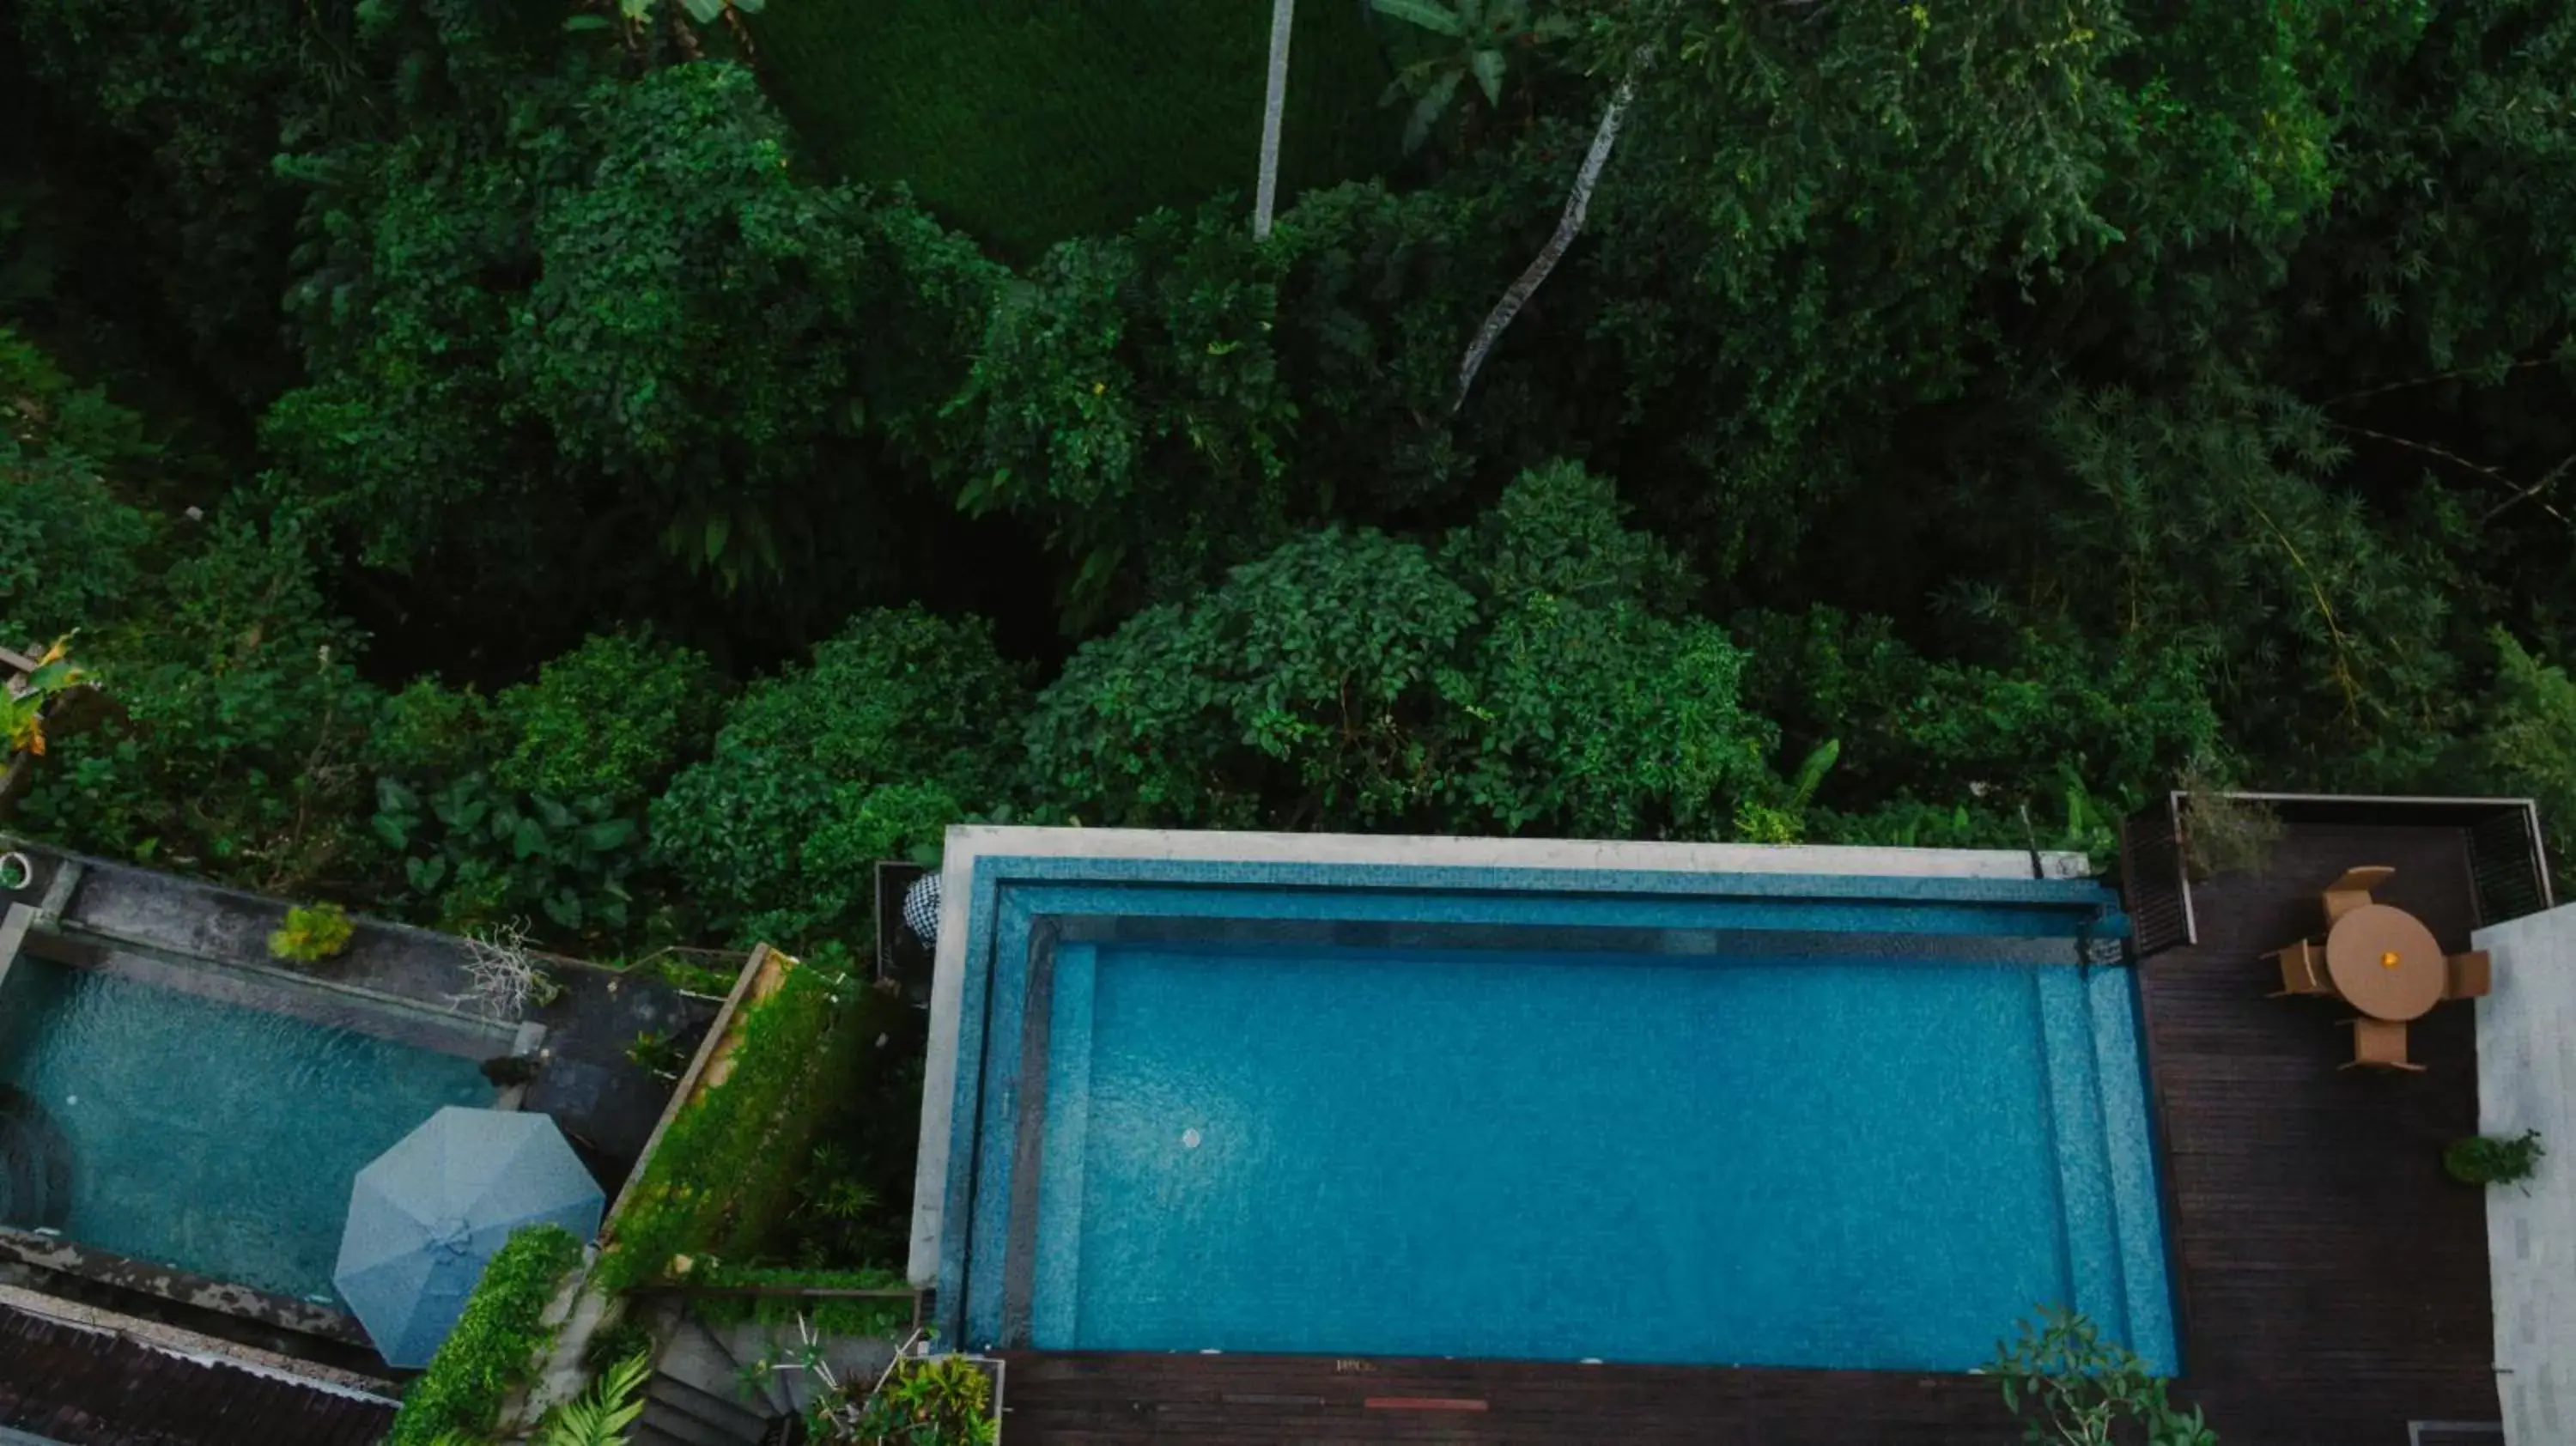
x=1568, y=226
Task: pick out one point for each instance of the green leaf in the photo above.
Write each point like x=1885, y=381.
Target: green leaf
x=719, y=530
x=1488, y=65
x=608, y=836
x=705, y=12
x=528, y=838
x=585, y=22
x=554, y=815
x=1429, y=16
x=564, y=907
x=425, y=875
x=392, y=797
x=391, y=830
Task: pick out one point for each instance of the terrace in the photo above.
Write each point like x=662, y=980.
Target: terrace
x=181, y=1114
x=2327, y=1282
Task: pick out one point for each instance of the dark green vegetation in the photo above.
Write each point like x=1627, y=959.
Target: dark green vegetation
x=2493, y=1159
x=2072, y=1388
x=1022, y=122
x=795, y=1168
x=495, y=1343
x=508, y=469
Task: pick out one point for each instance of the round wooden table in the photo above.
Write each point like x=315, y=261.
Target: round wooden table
x=2385, y=962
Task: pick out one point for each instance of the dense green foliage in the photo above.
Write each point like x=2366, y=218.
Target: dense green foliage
x=495, y=1343
x=2070, y=1387
x=312, y=933
x=2493, y=1159
x=759, y=1170
x=509, y=470
x=1026, y=121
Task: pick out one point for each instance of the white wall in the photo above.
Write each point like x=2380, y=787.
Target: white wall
x=2527, y=1081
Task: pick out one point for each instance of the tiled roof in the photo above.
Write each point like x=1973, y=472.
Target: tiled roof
x=88, y=1387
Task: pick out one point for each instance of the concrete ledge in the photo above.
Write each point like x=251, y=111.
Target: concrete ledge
x=2527, y=1081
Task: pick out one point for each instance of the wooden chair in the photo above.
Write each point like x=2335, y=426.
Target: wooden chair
x=2379, y=1044
x=2353, y=890
x=2303, y=970
x=2469, y=975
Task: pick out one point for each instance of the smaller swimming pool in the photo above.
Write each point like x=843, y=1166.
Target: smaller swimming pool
x=211, y=1137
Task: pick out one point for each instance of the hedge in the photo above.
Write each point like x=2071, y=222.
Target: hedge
x=495, y=1344
x=829, y=1316
x=730, y=1163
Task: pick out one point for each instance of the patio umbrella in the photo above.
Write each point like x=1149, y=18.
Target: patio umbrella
x=425, y=1215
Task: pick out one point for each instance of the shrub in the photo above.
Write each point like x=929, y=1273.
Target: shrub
x=942, y=1400
x=726, y=1170
x=611, y=719
x=476, y=856
x=1511, y=682
x=2077, y=1390
x=2072, y=1387
x=68, y=544
x=896, y=730
x=2493, y=1159
x=234, y=748
x=831, y=1317
x=313, y=933
x=495, y=1343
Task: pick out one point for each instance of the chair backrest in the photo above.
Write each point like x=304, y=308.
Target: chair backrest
x=2468, y=976
x=2379, y=1042
x=2303, y=969
x=2352, y=891
x=2362, y=879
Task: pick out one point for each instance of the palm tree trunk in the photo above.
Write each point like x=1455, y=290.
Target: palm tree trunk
x=1274, y=107
x=1568, y=226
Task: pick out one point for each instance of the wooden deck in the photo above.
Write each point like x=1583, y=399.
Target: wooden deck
x=2331, y=1283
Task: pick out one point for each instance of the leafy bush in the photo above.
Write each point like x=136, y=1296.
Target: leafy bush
x=482, y=857
x=2527, y=745
x=611, y=719
x=935, y=1401
x=844, y=1316
x=2493, y=1159
x=495, y=1343
x=607, y=1411
x=69, y=545
x=1511, y=683
x=312, y=934
x=2080, y=1390
x=725, y=1171
x=870, y=752
x=240, y=722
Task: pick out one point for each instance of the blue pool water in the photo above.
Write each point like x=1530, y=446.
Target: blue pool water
x=1862, y=1162
x=217, y=1139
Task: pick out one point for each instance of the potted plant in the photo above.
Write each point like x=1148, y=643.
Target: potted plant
x=2493, y=1159
x=922, y=1399
x=313, y=933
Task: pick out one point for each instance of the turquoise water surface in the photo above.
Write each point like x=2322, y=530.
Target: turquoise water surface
x=213, y=1138
x=1795, y=1162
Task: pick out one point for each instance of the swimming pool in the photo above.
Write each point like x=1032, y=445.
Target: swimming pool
x=1758, y=1119
x=211, y=1137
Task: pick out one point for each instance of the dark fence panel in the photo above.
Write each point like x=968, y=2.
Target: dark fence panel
x=2152, y=887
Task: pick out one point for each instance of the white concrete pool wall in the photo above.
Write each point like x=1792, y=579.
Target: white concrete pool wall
x=967, y=843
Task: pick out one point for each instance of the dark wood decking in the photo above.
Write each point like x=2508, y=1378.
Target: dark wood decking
x=2331, y=1283
x=2333, y=1280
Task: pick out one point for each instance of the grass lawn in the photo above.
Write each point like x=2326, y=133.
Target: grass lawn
x=1026, y=121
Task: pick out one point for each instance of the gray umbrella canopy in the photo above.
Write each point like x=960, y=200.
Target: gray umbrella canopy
x=428, y=1213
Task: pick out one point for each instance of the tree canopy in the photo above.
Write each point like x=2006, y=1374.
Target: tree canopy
x=541, y=462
